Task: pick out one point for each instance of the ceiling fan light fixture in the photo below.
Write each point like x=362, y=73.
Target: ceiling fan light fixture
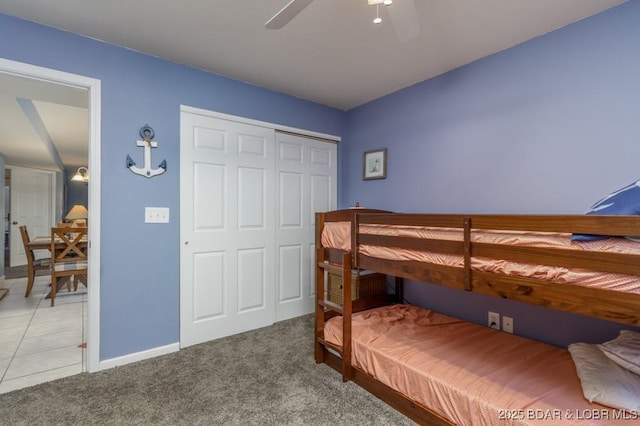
x=377, y=19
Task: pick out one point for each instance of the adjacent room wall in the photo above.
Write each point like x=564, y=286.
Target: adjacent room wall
x=76, y=192
x=139, y=274
x=549, y=126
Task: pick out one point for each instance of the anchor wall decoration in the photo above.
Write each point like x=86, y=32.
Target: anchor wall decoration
x=146, y=133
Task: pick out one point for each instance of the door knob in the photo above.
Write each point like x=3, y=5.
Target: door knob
x=14, y=223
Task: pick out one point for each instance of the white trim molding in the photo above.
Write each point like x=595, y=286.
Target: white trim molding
x=139, y=356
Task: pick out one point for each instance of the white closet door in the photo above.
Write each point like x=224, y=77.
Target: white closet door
x=227, y=204
x=307, y=175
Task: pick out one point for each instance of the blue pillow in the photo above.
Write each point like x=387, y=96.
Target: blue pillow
x=625, y=201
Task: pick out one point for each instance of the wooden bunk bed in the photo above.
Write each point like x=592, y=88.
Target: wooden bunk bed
x=469, y=249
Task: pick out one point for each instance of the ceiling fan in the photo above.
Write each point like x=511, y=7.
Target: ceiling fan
x=402, y=13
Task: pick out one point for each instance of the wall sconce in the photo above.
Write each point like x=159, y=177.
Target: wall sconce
x=82, y=175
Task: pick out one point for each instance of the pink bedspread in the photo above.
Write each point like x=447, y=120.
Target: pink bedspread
x=338, y=235
x=469, y=374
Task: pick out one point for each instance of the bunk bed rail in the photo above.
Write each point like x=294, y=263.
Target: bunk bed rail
x=599, y=302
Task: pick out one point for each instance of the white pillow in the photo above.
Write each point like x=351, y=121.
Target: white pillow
x=624, y=350
x=603, y=381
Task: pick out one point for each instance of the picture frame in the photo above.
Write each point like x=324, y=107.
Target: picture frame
x=374, y=164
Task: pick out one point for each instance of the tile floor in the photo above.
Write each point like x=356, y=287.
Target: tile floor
x=39, y=343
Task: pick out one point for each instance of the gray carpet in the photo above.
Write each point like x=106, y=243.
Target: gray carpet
x=263, y=377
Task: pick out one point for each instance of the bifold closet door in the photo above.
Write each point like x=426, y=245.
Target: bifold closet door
x=306, y=183
x=227, y=204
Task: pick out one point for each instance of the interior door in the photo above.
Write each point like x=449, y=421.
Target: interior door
x=227, y=205
x=31, y=205
x=307, y=175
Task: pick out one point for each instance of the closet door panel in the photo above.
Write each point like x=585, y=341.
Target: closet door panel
x=227, y=228
x=307, y=183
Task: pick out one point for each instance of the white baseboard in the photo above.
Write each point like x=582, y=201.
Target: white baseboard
x=139, y=356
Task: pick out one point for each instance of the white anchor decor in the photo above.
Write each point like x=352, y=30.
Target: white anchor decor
x=146, y=133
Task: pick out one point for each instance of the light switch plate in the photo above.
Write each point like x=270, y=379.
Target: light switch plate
x=156, y=214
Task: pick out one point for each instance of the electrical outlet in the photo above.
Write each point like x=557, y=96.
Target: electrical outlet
x=493, y=320
x=507, y=324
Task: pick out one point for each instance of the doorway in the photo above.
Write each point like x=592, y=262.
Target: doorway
x=91, y=88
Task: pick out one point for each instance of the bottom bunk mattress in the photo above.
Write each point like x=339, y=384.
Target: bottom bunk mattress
x=467, y=373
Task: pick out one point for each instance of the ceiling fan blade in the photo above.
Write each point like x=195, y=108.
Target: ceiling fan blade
x=287, y=13
x=404, y=19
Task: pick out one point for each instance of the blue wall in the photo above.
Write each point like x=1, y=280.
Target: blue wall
x=140, y=262
x=549, y=126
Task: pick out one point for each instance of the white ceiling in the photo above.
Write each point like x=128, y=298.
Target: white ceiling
x=55, y=113
x=331, y=53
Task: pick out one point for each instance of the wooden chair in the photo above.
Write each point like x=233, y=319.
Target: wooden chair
x=68, y=258
x=33, y=264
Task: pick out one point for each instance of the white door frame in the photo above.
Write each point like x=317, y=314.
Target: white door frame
x=93, y=88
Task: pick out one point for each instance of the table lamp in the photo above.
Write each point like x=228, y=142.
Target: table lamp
x=78, y=214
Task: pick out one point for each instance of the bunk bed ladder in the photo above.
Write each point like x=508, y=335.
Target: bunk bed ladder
x=326, y=309
x=319, y=309
x=347, y=310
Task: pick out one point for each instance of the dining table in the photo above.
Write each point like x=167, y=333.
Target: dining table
x=44, y=243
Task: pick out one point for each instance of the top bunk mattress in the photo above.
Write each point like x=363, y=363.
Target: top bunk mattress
x=469, y=374
x=338, y=235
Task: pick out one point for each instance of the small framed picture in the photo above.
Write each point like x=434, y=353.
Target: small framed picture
x=374, y=164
